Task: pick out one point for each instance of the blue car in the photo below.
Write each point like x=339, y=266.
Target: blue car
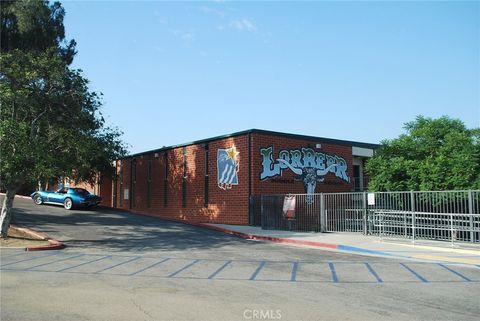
x=69, y=197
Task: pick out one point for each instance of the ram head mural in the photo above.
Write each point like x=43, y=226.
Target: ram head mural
x=309, y=176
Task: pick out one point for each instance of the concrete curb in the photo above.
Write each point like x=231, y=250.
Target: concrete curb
x=54, y=244
x=247, y=236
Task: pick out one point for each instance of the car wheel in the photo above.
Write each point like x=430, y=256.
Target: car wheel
x=37, y=199
x=68, y=204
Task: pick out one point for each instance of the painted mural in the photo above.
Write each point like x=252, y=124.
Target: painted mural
x=310, y=166
x=227, y=167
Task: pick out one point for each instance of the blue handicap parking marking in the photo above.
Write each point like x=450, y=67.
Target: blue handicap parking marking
x=130, y=265
x=220, y=269
x=392, y=272
x=150, y=266
x=183, y=268
x=239, y=270
x=6, y=254
x=454, y=271
x=379, y=272
x=373, y=272
x=470, y=272
x=333, y=272
x=293, y=276
x=203, y=269
x=313, y=272
x=74, y=267
x=275, y=271
x=257, y=271
x=117, y=264
x=351, y=272
x=167, y=268
x=54, y=264
x=415, y=273
x=28, y=260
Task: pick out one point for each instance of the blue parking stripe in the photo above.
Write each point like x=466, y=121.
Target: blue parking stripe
x=13, y=254
x=259, y=268
x=455, y=272
x=61, y=260
x=84, y=263
x=30, y=259
x=421, y=278
x=183, y=269
x=111, y=267
x=150, y=266
x=334, y=273
x=372, y=271
x=293, y=278
x=219, y=269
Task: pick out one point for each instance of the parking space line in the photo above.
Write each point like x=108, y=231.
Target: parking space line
x=421, y=278
x=259, y=268
x=111, y=267
x=61, y=260
x=293, y=277
x=372, y=271
x=184, y=268
x=219, y=269
x=455, y=272
x=30, y=259
x=84, y=263
x=13, y=254
x=334, y=273
x=150, y=266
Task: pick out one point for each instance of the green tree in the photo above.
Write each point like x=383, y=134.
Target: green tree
x=50, y=122
x=434, y=154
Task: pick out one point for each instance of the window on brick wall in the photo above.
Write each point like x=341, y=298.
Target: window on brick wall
x=206, y=177
x=184, y=178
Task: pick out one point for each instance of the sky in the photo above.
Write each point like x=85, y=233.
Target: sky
x=175, y=72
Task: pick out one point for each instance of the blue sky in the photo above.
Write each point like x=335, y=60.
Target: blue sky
x=173, y=72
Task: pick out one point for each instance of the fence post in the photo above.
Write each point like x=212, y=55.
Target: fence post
x=451, y=229
x=470, y=212
x=323, y=219
x=412, y=205
x=365, y=213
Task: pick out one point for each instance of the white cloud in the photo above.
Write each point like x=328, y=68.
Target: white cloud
x=244, y=25
x=214, y=11
x=185, y=36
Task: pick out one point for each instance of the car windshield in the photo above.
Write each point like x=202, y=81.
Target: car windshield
x=81, y=191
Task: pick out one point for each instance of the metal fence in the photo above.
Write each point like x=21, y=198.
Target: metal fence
x=452, y=216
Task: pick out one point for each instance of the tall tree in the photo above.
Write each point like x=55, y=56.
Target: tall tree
x=50, y=122
x=433, y=154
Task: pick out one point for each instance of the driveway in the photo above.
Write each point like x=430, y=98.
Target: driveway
x=119, y=266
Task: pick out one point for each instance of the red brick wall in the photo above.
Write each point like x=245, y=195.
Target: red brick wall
x=269, y=186
x=224, y=206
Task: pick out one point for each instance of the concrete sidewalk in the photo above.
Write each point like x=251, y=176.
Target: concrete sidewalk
x=436, y=251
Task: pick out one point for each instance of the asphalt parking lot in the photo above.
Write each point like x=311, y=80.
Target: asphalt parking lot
x=119, y=266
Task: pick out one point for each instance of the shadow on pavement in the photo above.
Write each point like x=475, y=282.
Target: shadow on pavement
x=119, y=231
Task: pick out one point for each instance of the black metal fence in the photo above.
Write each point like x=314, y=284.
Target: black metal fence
x=436, y=215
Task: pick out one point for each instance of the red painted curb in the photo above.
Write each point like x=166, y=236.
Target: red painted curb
x=55, y=244
x=241, y=234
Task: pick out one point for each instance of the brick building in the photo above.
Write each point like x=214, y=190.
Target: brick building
x=212, y=180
